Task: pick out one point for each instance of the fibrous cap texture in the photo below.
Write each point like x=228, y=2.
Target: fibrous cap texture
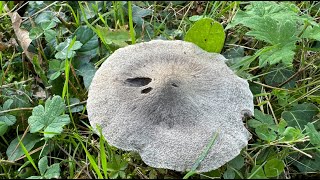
x=166, y=100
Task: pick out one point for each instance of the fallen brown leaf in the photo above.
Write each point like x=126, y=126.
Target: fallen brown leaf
x=22, y=35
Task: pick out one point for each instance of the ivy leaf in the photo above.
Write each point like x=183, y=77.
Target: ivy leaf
x=300, y=115
x=35, y=33
x=49, y=118
x=64, y=51
x=278, y=75
x=273, y=167
x=139, y=13
x=89, y=41
x=87, y=71
x=28, y=141
x=313, y=134
x=207, y=34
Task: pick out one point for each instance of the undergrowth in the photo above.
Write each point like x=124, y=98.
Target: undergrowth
x=45, y=76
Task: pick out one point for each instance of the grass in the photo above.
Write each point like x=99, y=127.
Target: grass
x=82, y=153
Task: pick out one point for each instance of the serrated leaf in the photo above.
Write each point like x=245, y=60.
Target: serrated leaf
x=300, y=115
x=207, y=34
x=64, y=51
x=43, y=165
x=264, y=118
x=273, y=167
x=278, y=75
x=284, y=54
x=89, y=40
x=53, y=171
x=49, y=118
x=28, y=141
x=313, y=134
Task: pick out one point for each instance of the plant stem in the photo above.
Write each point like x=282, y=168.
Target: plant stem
x=133, y=39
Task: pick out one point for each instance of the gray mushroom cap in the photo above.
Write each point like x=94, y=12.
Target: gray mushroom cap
x=166, y=99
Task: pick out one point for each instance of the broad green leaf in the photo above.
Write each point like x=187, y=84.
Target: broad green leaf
x=264, y=118
x=50, y=36
x=8, y=119
x=47, y=16
x=48, y=25
x=207, y=34
x=291, y=134
x=28, y=141
x=53, y=171
x=35, y=33
x=306, y=164
x=3, y=128
x=195, y=18
x=278, y=75
x=282, y=126
x=49, y=118
x=89, y=40
x=273, y=167
x=300, y=115
x=117, y=37
x=312, y=33
x=313, y=134
x=7, y=104
x=64, y=51
x=237, y=162
x=284, y=54
x=74, y=109
x=43, y=165
x=257, y=173
x=229, y=174
x=87, y=71
x=139, y=13
x=265, y=133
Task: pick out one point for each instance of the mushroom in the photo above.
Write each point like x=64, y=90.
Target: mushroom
x=166, y=99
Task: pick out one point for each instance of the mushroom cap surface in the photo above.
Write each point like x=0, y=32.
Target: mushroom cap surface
x=166, y=99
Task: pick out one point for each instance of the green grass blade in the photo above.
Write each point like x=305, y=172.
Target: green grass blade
x=133, y=39
x=92, y=161
x=27, y=153
x=201, y=157
x=103, y=156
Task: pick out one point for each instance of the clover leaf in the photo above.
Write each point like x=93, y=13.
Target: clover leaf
x=66, y=51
